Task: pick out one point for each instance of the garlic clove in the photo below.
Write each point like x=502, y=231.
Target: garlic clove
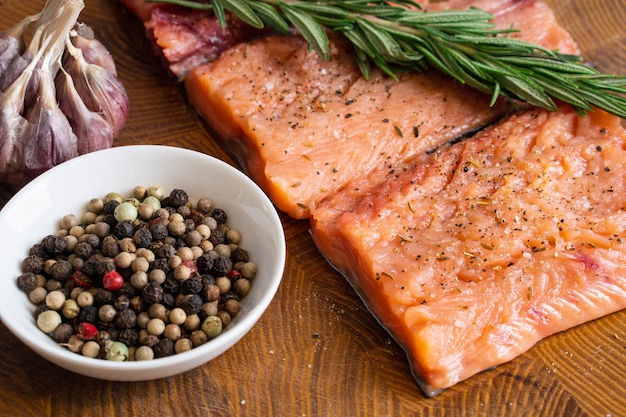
x=92, y=131
x=100, y=90
x=93, y=50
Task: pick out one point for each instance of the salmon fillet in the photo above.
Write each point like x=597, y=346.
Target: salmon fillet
x=304, y=129
x=478, y=251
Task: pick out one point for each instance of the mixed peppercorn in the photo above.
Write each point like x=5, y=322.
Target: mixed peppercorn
x=138, y=278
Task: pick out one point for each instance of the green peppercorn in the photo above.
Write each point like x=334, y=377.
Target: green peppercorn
x=70, y=309
x=157, y=192
x=125, y=212
x=48, y=321
x=116, y=351
x=212, y=326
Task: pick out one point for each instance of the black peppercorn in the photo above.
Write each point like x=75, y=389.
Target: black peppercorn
x=217, y=237
x=192, y=285
x=110, y=246
x=171, y=285
x=152, y=293
x=142, y=238
x=109, y=218
x=62, y=333
x=159, y=231
x=121, y=303
x=219, y=215
x=169, y=300
x=102, y=296
x=91, y=239
x=164, y=348
x=127, y=289
x=88, y=314
x=38, y=250
x=125, y=319
x=110, y=206
x=239, y=255
x=27, y=282
x=129, y=337
x=191, y=304
x=206, y=261
x=222, y=266
x=61, y=270
x=32, y=263
x=83, y=250
x=165, y=251
x=104, y=265
x=122, y=230
x=54, y=245
x=178, y=198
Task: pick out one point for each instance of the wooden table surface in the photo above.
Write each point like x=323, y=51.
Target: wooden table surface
x=317, y=351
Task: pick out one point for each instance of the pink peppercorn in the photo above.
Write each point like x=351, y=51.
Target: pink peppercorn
x=81, y=279
x=193, y=268
x=87, y=331
x=112, y=281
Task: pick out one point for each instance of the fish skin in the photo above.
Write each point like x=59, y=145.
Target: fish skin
x=480, y=250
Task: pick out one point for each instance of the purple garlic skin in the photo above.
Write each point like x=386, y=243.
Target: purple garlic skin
x=92, y=131
x=93, y=50
x=47, y=141
x=10, y=67
x=101, y=91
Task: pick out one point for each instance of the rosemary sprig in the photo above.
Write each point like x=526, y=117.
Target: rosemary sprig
x=463, y=44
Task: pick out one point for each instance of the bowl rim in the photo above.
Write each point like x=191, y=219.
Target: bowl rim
x=233, y=333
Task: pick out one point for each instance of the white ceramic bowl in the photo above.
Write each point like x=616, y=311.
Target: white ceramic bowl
x=35, y=211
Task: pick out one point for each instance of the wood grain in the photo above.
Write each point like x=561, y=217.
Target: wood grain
x=317, y=351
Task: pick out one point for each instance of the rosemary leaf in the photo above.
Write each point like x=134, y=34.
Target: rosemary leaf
x=463, y=44
x=243, y=11
x=310, y=29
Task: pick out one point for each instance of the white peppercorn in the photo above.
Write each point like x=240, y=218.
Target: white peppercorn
x=185, y=253
x=233, y=236
x=37, y=295
x=222, y=250
x=95, y=205
x=139, y=279
x=192, y=322
x=144, y=353
x=177, y=228
x=155, y=326
x=106, y=313
x=157, y=275
x=182, y=345
x=182, y=272
x=249, y=270
x=223, y=283
x=177, y=316
x=55, y=300
x=70, y=242
x=85, y=299
x=74, y=344
x=91, y=349
x=172, y=331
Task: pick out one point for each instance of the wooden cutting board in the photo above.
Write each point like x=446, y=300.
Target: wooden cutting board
x=317, y=351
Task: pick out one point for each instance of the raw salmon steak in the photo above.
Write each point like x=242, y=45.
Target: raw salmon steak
x=304, y=128
x=471, y=255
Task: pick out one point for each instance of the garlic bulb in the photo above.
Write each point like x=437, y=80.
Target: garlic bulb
x=59, y=94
